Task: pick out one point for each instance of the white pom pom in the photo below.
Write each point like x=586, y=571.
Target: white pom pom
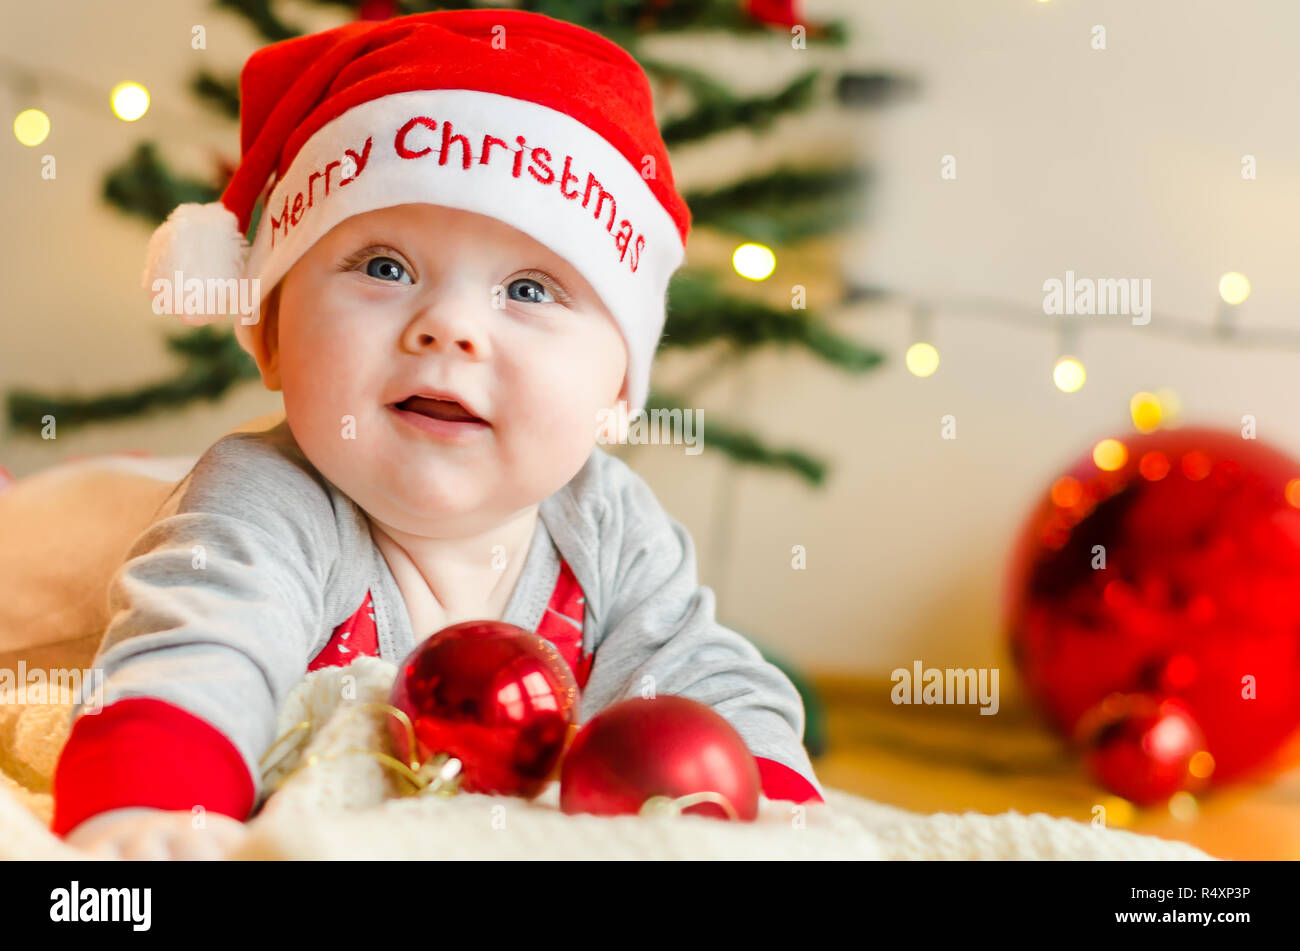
x=200, y=241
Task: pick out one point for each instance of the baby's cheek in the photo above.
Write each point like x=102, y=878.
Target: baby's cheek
x=313, y=409
x=549, y=433
x=329, y=421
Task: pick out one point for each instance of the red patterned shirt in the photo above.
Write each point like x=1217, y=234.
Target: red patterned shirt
x=561, y=624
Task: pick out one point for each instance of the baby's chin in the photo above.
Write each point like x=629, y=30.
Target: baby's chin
x=439, y=498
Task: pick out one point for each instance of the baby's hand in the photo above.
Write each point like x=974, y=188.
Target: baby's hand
x=144, y=833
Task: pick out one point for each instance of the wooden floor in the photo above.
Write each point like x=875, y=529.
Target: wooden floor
x=949, y=758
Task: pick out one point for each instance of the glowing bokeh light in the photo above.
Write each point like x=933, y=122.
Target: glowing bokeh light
x=753, y=261
x=31, y=127
x=1068, y=374
x=1234, y=287
x=130, y=101
x=1109, y=454
x=922, y=359
x=1146, y=411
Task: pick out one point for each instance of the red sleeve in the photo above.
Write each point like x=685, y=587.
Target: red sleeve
x=779, y=781
x=147, y=752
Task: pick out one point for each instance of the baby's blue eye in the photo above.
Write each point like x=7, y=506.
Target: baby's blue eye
x=387, y=269
x=532, y=289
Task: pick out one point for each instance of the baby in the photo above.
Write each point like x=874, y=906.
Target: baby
x=469, y=222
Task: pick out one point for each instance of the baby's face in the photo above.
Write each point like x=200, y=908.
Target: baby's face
x=404, y=300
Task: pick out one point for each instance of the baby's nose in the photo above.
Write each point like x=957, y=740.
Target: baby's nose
x=435, y=330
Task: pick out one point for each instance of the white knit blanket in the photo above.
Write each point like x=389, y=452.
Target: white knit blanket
x=348, y=806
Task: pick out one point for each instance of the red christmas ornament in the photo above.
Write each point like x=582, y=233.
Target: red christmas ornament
x=1144, y=749
x=774, y=12
x=494, y=696
x=639, y=750
x=1175, y=575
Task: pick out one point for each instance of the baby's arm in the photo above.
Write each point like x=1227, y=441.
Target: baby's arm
x=214, y=614
x=660, y=633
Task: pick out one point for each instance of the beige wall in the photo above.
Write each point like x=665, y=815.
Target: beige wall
x=1116, y=163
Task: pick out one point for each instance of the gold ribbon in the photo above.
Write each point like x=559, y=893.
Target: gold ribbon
x=439, y=775
x=666, y=806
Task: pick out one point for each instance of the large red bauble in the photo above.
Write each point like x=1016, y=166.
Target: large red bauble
x=1198, y=599
x=495, y=696
x=667, y=746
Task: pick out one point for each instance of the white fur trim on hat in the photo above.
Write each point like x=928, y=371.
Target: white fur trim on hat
x=197, y=241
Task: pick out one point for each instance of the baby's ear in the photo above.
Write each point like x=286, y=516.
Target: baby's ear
x=265, y=339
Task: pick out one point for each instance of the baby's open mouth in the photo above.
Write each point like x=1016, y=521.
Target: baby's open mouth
x=449, y=410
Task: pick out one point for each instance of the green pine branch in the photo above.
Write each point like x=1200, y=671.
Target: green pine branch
x=262, y=18
x=213, y=363
x=866, y=90
x=220, y=94
x=783, y=205
x=626, y=21
x=744, y=445
x=700, y=313
x=721, y=113
x=142, y=186
x=701, y=86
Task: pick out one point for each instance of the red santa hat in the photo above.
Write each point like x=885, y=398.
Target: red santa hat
x=539, y=123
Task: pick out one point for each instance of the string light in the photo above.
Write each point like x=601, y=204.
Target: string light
x=31, y=127
x=1149, y=410
x=130, y=101
x=29, y=85
x=922, y=357
x=754, y=261
x=1068, y=374
x=1234, y=288
x=1020, y=314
